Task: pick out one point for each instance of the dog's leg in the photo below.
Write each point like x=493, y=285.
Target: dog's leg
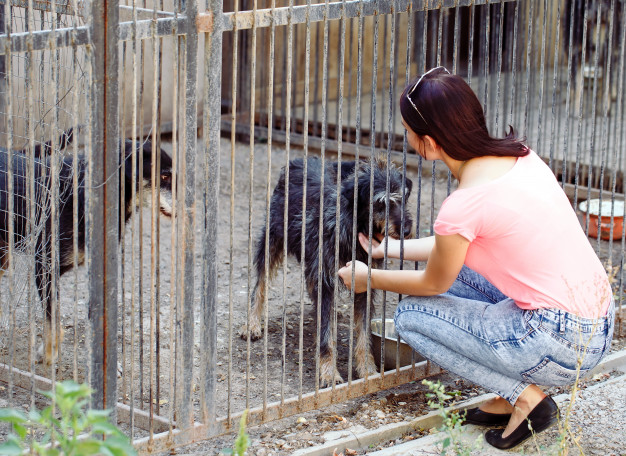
x=49, y=350
x=365, y=364
x=253, y=327
x=328, y=346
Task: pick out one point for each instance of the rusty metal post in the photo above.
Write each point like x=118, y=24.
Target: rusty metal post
x=102, y=204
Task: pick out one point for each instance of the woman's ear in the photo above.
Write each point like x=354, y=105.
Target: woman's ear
x=434, y=150
x=430, y=141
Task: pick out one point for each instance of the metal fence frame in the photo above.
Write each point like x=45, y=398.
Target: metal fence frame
x=190, y=24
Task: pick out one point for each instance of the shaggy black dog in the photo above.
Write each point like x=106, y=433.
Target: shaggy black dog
x=32, y=223
x=389, y=197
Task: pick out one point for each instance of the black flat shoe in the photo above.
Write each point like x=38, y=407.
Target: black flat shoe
x=544, y=415
x=481, y=418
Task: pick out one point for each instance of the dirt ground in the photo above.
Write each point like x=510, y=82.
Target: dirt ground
x=234, y=283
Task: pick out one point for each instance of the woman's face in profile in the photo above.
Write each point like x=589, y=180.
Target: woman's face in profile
x=415, y=141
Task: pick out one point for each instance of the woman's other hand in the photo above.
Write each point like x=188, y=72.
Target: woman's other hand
x=378, y=245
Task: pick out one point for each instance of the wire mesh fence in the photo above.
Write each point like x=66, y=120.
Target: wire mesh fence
x=184, y=116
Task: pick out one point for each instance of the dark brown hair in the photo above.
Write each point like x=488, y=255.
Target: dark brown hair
x=452, y=115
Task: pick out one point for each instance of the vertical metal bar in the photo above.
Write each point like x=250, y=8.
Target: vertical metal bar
x=75, y=194
x=126, y=362
x=103, y=217
x=154, y=230
x=455, y=44
x=320, y=247
x=55, y=309
x=618, y=154
x=407, y=78
x=542, y=64
x=158, y=230
x=555, y=70
x=212, y=101
x=139, y=218
x=214, y=148
x=133, y=190
x=580, y=84
x=175, y=222
x=339, y=138
x=390, y=138
x=499, y=51
x=592, y=139
x=268, y=194
x=470, y=56
x=288, y=103
x=605, y=130
x=528, y=66
x=371, y=162
x=568, y=93
x=30, y=173
x=485, y=37
x=7, y=107
x=190, y=128
x=251, y=186
x=606, y=81
x=305, y=142
x=357, y=140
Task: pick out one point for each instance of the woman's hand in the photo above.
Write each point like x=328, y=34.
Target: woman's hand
x=360, y=276
x=378, y=245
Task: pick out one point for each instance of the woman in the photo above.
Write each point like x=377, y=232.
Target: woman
x=512, y=292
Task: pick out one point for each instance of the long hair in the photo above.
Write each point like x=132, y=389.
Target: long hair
x=452, y=115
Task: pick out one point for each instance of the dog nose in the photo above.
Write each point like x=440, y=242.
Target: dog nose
x=408, y=229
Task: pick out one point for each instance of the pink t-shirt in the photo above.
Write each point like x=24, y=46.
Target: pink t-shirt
x=525, y=238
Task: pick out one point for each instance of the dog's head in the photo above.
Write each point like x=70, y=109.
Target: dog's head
x=164, y=171
x=391, y=192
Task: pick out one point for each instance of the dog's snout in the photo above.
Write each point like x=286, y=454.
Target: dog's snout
x=408, y=230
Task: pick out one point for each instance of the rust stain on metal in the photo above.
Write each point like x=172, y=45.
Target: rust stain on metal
x=204, y=22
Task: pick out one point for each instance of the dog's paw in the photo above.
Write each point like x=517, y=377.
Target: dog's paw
x=327, y=380
x=255, y=332
x=328, y=373
x=39, y=354
x=368, y=368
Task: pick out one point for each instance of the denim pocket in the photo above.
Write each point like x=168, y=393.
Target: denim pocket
x=547, y=372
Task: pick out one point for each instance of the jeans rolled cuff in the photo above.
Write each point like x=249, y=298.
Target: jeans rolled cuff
x=517, y=391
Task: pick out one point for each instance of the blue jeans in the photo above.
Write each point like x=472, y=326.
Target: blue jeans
x=478, y=333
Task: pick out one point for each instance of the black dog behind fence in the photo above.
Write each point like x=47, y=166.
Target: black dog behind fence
x=390, y=195
x=31, y=213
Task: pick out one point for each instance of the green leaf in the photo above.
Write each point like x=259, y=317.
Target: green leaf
x=11, y=446
x=13, y=416
x=94, y=415
x=119, y=446
x=105, y=427
x=87, y=446
x=34, y=416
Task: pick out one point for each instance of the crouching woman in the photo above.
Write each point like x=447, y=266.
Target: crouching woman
x=512, y=295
